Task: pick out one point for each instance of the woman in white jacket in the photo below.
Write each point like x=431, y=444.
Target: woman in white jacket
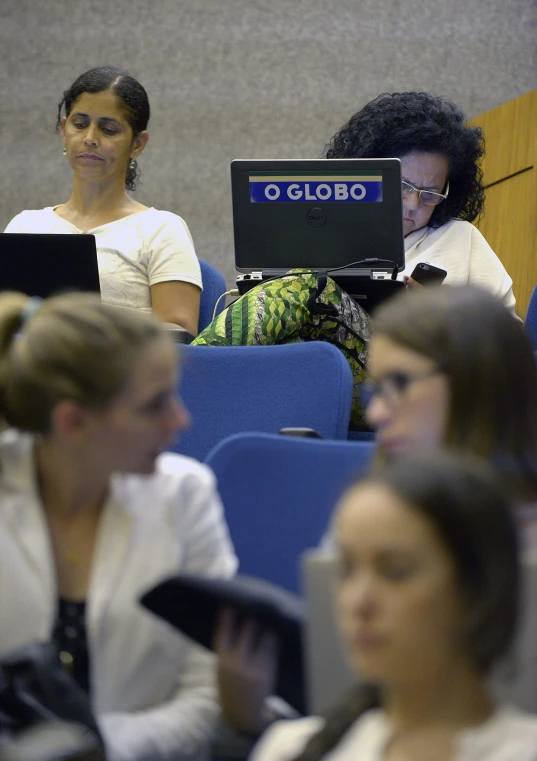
x=92, y=514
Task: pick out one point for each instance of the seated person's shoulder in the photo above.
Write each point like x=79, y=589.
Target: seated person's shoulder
x=179, y=489
x=453, y=229
x=518, y=724
x=286, y=739
x=32, y=220
x=509, y=735
x=460, y=231
x=156, y=220
x=177, y=467
x=173, y=473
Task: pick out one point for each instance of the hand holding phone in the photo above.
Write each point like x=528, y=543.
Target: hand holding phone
x=427, y=274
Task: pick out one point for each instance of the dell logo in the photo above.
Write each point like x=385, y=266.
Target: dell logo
x=316, y=217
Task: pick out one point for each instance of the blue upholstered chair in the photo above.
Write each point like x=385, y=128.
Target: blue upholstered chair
x=279, y=493
x=230, y=389
x=214, y=285
x=530, y=324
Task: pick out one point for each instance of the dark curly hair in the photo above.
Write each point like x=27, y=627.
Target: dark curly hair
x=395, y=124
x=131, y=93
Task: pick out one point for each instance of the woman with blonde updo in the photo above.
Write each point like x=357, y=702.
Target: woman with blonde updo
x=92, y=514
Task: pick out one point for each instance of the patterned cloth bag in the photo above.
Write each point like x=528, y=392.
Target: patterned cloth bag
x=298, y=306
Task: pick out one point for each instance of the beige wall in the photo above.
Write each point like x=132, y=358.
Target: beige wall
x=241, y=78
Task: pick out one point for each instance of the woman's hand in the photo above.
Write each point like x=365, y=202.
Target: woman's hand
x=247, y=663
x=411, y=283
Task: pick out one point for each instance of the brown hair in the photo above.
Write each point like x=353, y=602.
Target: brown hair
x=491, y=371
x=72, y=347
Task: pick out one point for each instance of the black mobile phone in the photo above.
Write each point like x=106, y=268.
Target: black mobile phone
x=305, y=433
x=428, y=274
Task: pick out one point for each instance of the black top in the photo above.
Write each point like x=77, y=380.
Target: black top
x=70, y=637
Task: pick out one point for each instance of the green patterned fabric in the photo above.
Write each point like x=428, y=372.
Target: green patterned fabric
x=295, y=308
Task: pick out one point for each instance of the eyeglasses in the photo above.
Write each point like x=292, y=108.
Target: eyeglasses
x=391, y=386
x=428, y=197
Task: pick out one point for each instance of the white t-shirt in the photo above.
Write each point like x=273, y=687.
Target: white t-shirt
x=461, y=249
x=133, y=253
x=509, y=735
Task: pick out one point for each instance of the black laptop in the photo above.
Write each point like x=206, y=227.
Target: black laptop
x=44, y=264
x=340, y=215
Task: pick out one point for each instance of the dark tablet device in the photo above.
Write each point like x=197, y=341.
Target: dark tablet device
x=43, y=264
x=192, y=604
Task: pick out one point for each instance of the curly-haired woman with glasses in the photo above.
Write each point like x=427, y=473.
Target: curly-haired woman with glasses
x=442, y=182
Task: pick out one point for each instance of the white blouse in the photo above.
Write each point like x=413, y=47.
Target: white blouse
x=509, y=735
x=461, y=249
x=133, y=253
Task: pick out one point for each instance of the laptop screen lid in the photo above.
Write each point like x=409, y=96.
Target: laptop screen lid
x=43, y=264
x=328, y=671
x=316, y=213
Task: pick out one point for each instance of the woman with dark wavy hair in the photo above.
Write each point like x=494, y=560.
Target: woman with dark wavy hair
x=146, y=256
x=442, y=182
x=427, y=603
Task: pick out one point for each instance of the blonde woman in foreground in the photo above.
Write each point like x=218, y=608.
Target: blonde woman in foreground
x=92, y=514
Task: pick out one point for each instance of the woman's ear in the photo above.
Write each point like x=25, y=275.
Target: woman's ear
x=70, y=421
x=62, y=126
x=139, y=143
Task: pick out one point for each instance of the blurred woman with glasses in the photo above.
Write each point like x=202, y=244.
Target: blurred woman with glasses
x=442, y=183
x=450, y=367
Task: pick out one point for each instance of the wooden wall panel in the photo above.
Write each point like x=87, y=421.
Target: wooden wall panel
x=510, y=176
x=510, y=226
x=510, y=132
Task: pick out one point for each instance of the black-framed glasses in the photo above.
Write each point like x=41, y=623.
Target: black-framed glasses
x=428, y=197
x=392, y=386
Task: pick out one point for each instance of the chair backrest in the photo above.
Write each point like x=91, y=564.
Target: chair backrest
x=230, y=389
x=515, y=680
x=328, y=671
x=279, y=493
x=214, y=285
x=530, y=324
